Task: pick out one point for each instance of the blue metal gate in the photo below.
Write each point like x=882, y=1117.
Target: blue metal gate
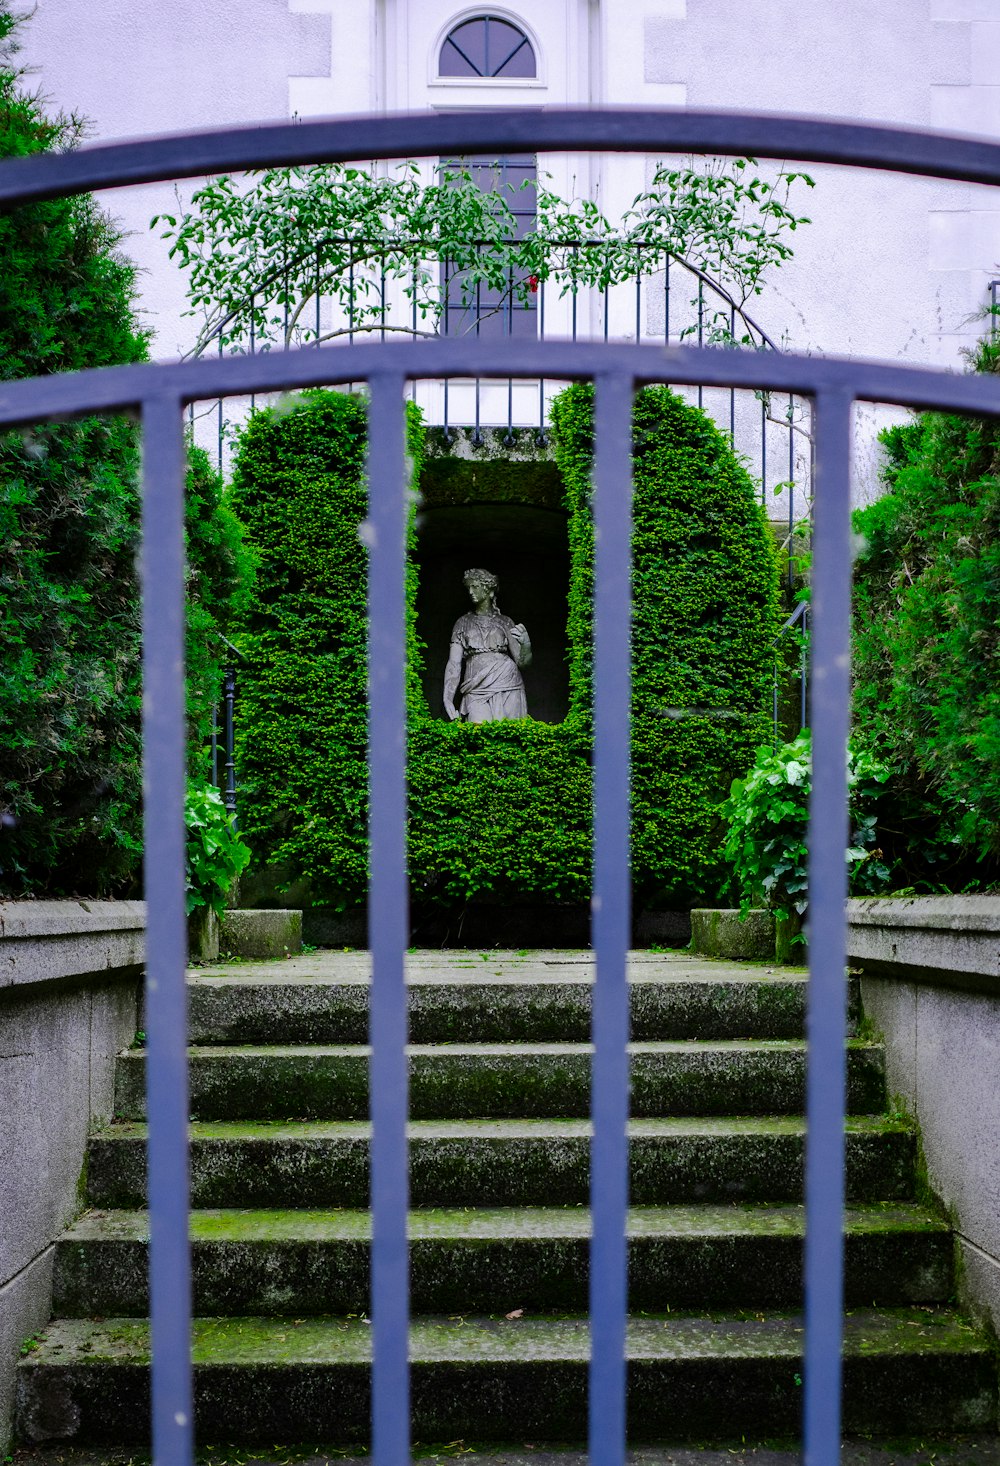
x=161, y=392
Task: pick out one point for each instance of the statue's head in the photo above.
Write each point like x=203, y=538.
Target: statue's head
x=483, y=578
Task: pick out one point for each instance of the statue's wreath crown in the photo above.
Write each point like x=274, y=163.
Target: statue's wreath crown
x=485, y=577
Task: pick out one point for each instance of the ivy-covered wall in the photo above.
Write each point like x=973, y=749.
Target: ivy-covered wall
x=501, y=812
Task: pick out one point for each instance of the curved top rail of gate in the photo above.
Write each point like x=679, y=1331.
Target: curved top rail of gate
x=109, y=389
x=556, y=130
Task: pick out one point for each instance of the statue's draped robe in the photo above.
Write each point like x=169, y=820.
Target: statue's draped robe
x=491, y=686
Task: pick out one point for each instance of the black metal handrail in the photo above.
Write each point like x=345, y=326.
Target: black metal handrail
x=797, y=621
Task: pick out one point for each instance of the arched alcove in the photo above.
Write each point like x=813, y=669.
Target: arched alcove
x=527, y=548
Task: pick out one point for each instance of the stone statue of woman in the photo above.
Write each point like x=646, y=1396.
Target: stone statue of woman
x=485, y=660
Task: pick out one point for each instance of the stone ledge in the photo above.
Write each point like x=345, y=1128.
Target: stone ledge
x=933, y=913
x=950, y=940
x=719, y=932
x=263, y=933
x=48, y=941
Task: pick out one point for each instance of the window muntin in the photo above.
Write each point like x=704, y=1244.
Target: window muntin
x=488, y=310
x=487, y=46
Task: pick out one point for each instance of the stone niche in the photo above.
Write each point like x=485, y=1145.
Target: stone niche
x=525, y=544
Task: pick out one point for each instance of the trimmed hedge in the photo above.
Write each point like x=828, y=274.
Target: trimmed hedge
x=705, y=592
x=298, y=489
x=926, y=650
x=70, y=697
x=501, y=811
x=220, y=577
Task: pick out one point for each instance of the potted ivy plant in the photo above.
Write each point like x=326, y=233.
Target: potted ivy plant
x=215, y=856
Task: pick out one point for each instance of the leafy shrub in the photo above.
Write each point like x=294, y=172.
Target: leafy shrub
x=926, y=651
x=214, y=855
x=70, y=699
x=768, y=816
x=500, y=811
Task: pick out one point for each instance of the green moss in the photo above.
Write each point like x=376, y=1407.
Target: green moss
x=517, y=445
x=446, y=481
x=505, y=1080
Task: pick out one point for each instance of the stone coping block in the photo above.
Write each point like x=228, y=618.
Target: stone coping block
x=263, y=933
x=953, y=941
x=721, y=933
x=48, y=941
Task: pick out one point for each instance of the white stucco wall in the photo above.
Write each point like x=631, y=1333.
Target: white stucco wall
x=890, y=267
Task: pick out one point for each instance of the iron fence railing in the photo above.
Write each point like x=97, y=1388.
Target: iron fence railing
x=669, y=300
x=160, y=393
x=796, y=631
x=222, y=752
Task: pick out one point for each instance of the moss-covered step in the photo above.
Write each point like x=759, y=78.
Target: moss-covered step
x=501, y=1162
x=308, y=1262
x=515, y=1081
x=261, y=1380
x=494, y=1004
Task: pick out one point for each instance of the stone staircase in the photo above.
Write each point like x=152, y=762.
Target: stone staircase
x=499, y=1174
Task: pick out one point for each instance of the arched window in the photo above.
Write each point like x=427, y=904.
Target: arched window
x=487, y=46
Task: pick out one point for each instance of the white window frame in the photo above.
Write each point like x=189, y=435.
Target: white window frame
x=501, y=83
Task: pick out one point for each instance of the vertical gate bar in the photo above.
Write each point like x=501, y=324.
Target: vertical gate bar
x=163, y=758
x=763, y=451
x=446, y=317
x=253, y=352
x=388, y=921
x=229, y=792
x=477, y=436
x=576, y=273
x=827, y=1014
x=541, y=384
x=509, y=314
x=701, y=332
x=803, y=669
x=791, y=488
x=382, y=296
x=611, y=918
x=774, y=704
x=219, y=463
x=732, y=390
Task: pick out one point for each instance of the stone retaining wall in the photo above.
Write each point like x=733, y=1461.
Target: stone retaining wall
x=931, y=984
x=69, y=990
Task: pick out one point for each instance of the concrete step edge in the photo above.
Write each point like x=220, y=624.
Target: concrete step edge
x=328, y=1340
x=680, y=1221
